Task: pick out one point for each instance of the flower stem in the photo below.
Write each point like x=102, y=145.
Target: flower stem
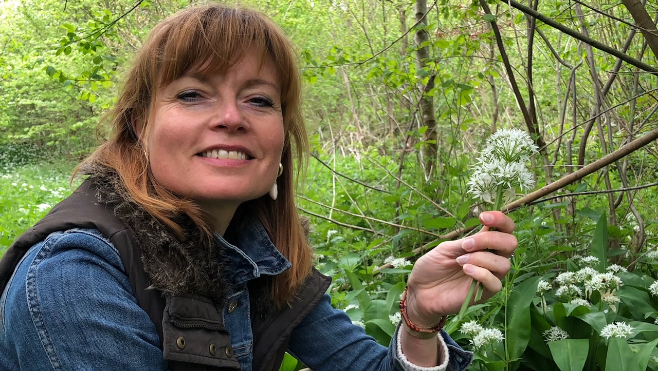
x=478, y=295
x=467, y=301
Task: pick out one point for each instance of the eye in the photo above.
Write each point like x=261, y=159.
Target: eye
x=261, y=102
x=189, y=96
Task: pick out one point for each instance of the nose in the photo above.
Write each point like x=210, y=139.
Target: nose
x=229, y=116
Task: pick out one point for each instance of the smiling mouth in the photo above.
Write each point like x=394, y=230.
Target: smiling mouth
x=223, y=154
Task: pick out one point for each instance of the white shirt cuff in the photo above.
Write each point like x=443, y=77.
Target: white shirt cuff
x=408, y=366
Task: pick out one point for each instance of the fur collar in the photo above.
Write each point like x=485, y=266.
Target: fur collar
x=193, y=265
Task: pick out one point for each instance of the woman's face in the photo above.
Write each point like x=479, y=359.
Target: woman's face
x=218, y=138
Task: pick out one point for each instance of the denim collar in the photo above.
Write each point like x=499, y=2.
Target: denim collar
x=253, y=254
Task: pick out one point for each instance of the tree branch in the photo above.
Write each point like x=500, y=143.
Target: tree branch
x=625, y=57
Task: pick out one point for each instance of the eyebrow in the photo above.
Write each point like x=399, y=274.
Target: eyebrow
x=204, y=78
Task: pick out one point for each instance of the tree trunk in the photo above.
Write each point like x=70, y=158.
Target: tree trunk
x=644, y=23
x=430, y=147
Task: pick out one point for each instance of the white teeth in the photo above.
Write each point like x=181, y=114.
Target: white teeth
x=223, y=154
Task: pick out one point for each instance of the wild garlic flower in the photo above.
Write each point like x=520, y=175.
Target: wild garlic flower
x=395, y=318
x=565, y=278
x=580, y=301
x=359, y=323
x=614, y=268
x=653, y=289
x=617, y=330
x=554, y=334
x=585, y=274
x=652, y=255
x=568, y=290
x=500, y=169
x=602, y=281
x=487, y=336
x=471, y=328
x=510, y=145
x=397, y=262
x=351, y=306
x=590, y=260
x=543, y=287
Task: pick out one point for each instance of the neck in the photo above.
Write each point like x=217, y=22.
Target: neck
x=222, y=215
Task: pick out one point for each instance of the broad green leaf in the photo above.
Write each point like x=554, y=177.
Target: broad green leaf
x=518, y=317
x=620, y=357
x=393, y=295
x=489, y=17
x=638, y=301
x=645, y=353
x=570, y=354
x=600, y=242
x=385, y=324
x=595, y=319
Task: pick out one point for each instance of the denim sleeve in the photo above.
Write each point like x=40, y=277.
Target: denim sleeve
x=327, y=340
x=69, y=306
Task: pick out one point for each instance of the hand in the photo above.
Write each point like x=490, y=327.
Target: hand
x=441, y=278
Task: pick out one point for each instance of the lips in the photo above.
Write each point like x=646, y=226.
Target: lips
x=224, y=154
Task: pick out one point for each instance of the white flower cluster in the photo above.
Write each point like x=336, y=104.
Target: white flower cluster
x=580, y=301
x=397, y=262
x=487, y=336
x=614, y=268
x=652, y=254
x=569, y=291
x=617, y=330
x=554, y=334
x=501, y=166
x=653, y=289
x=481, y=336
x=471, y=328
x=565, y=278
x=395, y=318
x=602, y=282
x=543, y=287
x=588, y=260
x=351, y=306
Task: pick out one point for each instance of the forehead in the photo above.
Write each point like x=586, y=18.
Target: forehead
x=204, y=66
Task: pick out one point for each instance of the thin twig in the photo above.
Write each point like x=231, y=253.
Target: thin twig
x=593, y=193
x=370, y=218
x=347, y=177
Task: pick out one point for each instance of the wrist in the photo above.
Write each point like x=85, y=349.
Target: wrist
x=418, y=328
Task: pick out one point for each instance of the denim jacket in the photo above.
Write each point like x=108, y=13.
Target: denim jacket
x=69, y=306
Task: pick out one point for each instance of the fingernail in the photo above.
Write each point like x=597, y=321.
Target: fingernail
x=461, y=260
x=486, y=218
x=468, y=244
x=469, y=268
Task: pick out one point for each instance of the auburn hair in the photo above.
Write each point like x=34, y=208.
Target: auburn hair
x=211, y=38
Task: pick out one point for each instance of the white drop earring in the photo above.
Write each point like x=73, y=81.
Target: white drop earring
x=274, y=191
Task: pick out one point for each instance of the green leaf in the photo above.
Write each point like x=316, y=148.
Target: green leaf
x=637, y=301
x=600, y=242
x=595, y=319
x=645, y=353
x=440, y=223
x=50, y=70
x=289, y=363
x=620, y=357
x=518, y=317
x=489, y=17
x=393, y=295
x=570, y=354
x=385, y=324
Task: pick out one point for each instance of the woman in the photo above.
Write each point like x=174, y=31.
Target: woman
x=183, y=249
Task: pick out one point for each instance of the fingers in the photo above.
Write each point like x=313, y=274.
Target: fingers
x=498, y=220
x=491, y=283
x=502, y=243
x=498, y=265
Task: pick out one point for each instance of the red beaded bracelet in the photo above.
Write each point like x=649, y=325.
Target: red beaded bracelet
x=415, y=330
